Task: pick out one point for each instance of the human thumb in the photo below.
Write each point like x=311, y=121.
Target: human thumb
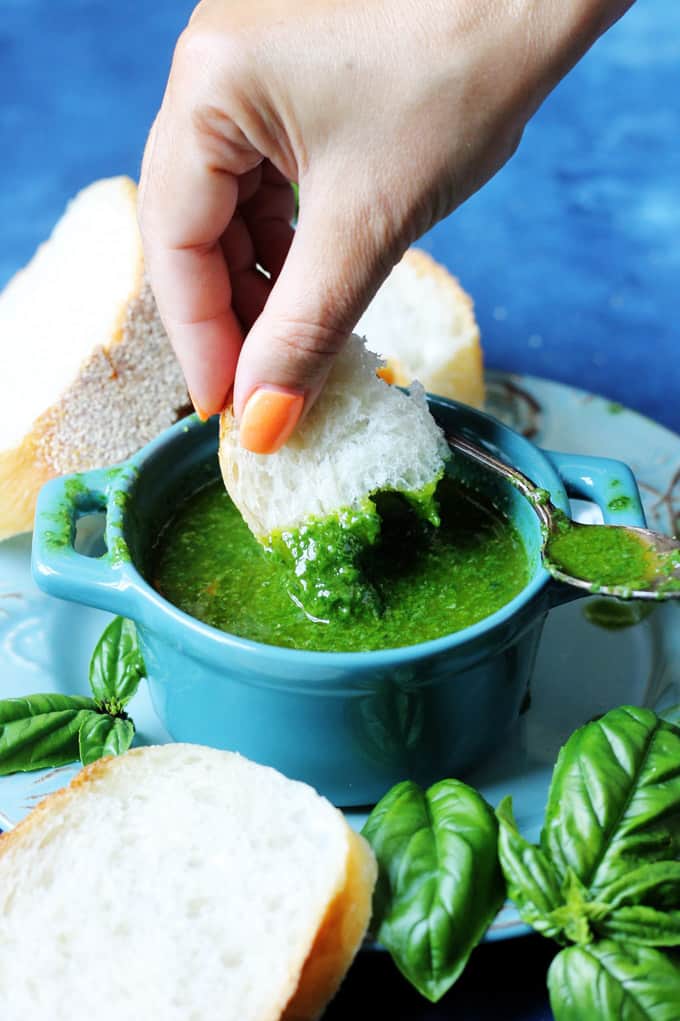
x=332, y=270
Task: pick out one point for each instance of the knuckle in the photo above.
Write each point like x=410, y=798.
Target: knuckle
x=190, y=53
x=308, y=341
x=210, y=83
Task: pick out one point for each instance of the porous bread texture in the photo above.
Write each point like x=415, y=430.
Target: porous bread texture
x=88, y=372
x=422, y=323
x=360, y=437
x=184, y=884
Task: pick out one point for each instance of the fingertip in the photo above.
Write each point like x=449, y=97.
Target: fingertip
x=269, y=419
x=203, y=415
x=208, y=352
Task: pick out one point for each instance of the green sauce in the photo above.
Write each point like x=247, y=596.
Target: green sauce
x=612, y=558
x=603, y=556
x=329, y=559
x=620, y=503
x=423, y=581
x=613, y=615
x=324, y=558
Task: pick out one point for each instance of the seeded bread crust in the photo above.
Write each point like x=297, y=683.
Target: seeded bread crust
x=127, y=390
x=124, y=395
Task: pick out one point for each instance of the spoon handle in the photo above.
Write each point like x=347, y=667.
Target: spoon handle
x=539, y=498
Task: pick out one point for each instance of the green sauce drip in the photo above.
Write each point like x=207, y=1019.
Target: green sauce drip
x=425, y=581
x=614, y=615
x=620, y=503
x=329, y=559
x=324, y=561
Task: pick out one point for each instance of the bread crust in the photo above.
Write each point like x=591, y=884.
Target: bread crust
x=338, y=937
x=127, y=390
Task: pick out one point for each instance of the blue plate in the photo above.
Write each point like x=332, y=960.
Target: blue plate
x=582, y=669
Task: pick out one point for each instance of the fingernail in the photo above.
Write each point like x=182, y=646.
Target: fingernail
x=203, y=415
x=268, y=419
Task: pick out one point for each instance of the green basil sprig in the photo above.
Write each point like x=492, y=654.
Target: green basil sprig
x=606, y=876
x=611, y=840
x=439, y=881
x=45, y=731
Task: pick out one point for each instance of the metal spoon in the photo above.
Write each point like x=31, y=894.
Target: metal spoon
x=660, y=584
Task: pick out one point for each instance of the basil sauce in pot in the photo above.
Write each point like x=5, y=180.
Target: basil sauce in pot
x=430, y=581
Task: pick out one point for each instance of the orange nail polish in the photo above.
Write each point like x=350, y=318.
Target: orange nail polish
x=203, y=415
x=268, y=419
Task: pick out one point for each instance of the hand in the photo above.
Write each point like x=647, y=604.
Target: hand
x=389, y=114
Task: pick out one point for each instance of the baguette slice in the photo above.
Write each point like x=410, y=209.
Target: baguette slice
x=360, y=437
x=180, y=883
x=88, y=375
x=422, y=323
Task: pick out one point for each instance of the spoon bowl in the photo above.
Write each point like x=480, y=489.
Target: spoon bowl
x=652, y=559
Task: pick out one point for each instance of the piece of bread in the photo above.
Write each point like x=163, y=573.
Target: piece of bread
x=422, y=323
x=361, y=436
x=88, y=375
x=180, y=883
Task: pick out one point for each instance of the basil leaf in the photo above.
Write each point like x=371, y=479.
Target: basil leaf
x=102, y=735
x=439, y=880
x=14, y=709
x=532, y=882
x=608, y=982
x=116, y=667
x=655, y=885
x=614, y=801
x=40, y=731
x=642, y=925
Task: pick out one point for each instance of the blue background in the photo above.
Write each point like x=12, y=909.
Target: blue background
x=572, y=254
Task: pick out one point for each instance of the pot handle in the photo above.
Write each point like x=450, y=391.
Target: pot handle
x=58, y=568
x=609, y=484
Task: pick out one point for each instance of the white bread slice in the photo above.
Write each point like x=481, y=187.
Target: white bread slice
x=422, y=323
x=88, y=375
x=180, y=883
x=361, y=436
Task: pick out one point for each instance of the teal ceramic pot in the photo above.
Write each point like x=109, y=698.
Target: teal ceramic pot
x=350, y=724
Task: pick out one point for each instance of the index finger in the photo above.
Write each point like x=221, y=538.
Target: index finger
x=186, y=203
